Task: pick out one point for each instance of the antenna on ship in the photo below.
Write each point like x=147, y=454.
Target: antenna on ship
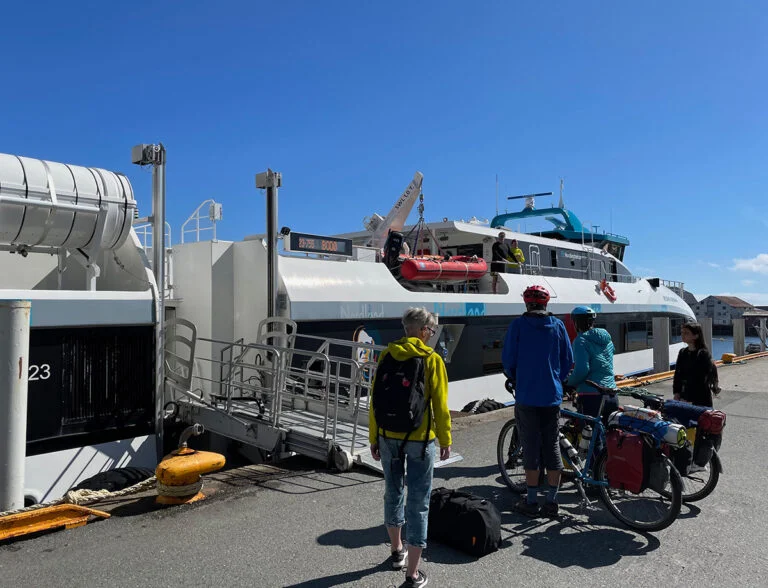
x=497, y=194
x=561, y=204
x=529, y=198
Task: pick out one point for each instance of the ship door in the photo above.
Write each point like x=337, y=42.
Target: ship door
x=534, y=259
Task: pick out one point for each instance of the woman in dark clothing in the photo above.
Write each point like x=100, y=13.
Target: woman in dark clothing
x=693, y=368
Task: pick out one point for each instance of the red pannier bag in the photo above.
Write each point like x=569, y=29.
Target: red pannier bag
x=625, y=467
x=712, y=422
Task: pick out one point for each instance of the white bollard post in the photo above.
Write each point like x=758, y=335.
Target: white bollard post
x=762, y=334
x=14, y=369
x=660, y=345
x=739, y=347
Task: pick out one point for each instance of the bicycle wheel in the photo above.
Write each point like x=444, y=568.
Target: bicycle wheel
x=701, y=483
x=647, y=511
x=509, y=454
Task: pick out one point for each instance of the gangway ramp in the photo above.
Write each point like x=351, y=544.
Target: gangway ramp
x=279, y=399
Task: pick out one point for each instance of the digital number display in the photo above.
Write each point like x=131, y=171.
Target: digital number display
x=305, y=243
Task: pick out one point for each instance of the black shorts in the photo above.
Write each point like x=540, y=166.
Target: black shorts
x=539, y=430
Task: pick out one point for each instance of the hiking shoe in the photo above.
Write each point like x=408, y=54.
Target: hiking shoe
x=550, y=509
x=399, y=558
x=527, y=508
x=417, y=582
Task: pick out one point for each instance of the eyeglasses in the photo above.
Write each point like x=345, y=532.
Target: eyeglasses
x=430, y=329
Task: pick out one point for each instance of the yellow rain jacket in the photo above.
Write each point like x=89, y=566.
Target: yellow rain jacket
x=516, y=257
x=436, y=390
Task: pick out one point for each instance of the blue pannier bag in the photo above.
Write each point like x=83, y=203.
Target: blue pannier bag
x=683, y=412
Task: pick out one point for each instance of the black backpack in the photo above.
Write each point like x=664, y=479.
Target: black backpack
x=462, y=520
x=399, y=394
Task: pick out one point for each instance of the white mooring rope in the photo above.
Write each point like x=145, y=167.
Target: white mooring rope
x=84, y=496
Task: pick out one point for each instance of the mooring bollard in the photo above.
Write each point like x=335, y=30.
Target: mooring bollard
x=178, y=474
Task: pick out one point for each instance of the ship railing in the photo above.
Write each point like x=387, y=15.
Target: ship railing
x=585, y=273
x=677, y=287
x=144, y=234
x=261, y=381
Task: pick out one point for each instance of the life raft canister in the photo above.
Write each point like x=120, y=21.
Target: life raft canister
x=607, y=290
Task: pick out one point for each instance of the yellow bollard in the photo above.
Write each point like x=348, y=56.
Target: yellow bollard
x=728, y=357
x=178, y=474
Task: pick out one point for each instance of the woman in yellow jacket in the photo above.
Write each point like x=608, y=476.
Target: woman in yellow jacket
x=420, y=326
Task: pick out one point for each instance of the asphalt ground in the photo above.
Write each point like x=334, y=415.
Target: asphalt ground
x=301, y=526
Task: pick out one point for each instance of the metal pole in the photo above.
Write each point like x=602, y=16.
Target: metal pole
x=271, y=181
x=14, y=367
x=158, y=264
x=762, y=334
x=154, y=155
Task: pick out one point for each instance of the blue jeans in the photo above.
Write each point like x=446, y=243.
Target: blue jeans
x=420, y=469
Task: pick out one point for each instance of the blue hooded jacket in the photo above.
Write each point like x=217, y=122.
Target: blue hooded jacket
x=593, y=357
x=537, y=351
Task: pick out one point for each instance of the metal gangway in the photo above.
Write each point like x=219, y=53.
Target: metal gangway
x=283, y=394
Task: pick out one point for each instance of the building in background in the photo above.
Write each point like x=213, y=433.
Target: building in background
x=722, y=310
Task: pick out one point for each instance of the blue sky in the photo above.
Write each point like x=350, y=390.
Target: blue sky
x=653, y=113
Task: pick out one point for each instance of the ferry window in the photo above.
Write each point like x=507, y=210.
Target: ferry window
x=553, y=257
x=470, y=250
x=637, y=335
x=493, y=341
x=675, y=327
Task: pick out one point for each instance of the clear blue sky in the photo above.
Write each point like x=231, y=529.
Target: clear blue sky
x=653, y=112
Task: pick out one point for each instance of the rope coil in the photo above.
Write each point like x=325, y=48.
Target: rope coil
x=179, y=491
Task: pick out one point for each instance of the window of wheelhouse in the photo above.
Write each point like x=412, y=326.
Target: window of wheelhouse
x=637, y=335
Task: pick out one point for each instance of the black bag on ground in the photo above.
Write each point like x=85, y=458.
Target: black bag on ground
x=462, y=520
x=399, y=400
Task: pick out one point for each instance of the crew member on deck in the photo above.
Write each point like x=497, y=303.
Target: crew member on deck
x=500, y=255
x=516, y=257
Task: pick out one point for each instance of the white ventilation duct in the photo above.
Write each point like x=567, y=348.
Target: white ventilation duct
x=47, y=204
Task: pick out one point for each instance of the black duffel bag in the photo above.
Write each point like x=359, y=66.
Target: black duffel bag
x=462, y=520
x=703, y=448
x=682, y=458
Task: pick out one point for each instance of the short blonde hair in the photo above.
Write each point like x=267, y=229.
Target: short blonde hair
x=415, y=319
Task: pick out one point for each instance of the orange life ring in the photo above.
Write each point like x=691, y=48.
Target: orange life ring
x=607, y=290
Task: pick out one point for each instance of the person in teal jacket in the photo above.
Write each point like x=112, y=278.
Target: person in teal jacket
x=593, y=360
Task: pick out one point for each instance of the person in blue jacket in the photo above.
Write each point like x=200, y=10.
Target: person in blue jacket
x=537, y=356
x=593, y=360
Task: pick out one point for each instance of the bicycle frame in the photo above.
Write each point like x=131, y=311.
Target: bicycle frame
x=598, y=431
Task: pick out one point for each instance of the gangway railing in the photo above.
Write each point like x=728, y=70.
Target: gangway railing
x=257, y=391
